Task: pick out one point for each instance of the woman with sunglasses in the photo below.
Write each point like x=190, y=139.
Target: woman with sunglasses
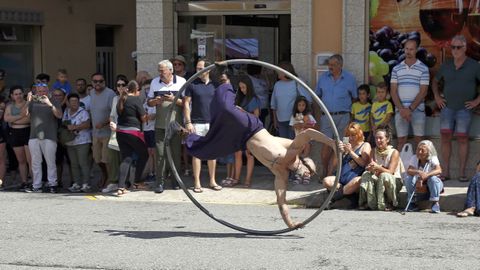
x=131, y=116
x=113, y=151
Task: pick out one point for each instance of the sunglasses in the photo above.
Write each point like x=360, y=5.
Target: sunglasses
x=121, y=85
x=98, y=81
x=456, y=47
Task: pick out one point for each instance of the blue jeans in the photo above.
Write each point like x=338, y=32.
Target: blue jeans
x=473, y=194
x=435, y=186
x=285, y=130
x=457, y=122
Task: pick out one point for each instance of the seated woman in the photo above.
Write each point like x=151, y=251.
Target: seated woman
x=382, y=176
x=356, y=155
x=472, y=204
x=423, y=175
x=231, y=129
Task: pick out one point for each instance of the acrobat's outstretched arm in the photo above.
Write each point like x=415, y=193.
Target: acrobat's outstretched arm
x=281, y=182
x=302, y=139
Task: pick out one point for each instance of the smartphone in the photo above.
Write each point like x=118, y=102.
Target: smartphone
x=346, y=140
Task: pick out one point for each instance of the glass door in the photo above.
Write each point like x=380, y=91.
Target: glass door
x=220, y=37
x=200, y=37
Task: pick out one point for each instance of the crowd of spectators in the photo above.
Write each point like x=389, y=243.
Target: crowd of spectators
x=122, y=130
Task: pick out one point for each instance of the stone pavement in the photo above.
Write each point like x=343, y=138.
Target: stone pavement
x=261, y=192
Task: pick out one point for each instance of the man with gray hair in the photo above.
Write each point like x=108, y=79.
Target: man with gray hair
x=162, y=93
x=337, y=88
x=460, y=76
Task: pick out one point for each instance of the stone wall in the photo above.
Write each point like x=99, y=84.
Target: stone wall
x=155, y=33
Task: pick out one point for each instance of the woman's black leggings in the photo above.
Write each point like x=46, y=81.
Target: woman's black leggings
x=130, y=144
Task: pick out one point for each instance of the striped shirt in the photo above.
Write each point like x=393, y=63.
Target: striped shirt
x=409, y=80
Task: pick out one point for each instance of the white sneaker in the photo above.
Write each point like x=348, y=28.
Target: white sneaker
x=85, y=188
x=110, y=188
x=75, y=188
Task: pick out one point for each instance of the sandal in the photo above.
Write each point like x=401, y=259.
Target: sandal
x=120, y=192
x=389, y=208
x=216, y=188
x=226, y=180
x=465, y=213
x=197, y=190
x=230, y=183
x=247, y=185
x=306, y=179
x=463, y=179
x=298, y=180
x=140, y=186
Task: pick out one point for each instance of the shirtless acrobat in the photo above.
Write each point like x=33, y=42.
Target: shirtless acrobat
x=281, y=155
x=231, y=129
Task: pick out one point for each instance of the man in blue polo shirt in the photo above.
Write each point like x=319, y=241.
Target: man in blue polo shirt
x=337, y=89
x=460, y=76
x=196, y=112
x=408, y=87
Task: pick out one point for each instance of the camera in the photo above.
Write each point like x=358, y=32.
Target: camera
x=37, y=98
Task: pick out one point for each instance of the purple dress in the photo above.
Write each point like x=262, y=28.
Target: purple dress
x=230, y=128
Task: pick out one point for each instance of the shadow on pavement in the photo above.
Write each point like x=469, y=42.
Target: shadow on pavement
x=171, y=234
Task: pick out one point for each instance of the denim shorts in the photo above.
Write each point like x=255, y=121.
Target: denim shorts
x=455, y=120
x=150, y=138
x=417, y=121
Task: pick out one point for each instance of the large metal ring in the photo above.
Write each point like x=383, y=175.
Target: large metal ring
x=192, y=198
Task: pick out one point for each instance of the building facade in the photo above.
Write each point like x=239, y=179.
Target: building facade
x=81, y=36
x=270, y=31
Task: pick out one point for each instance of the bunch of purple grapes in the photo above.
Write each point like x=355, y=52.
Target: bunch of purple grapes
x=389, y=45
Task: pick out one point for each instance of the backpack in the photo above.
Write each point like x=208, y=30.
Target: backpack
x=405, y=156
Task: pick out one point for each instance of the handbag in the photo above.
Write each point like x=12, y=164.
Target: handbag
x=405, y=156
x=65, y=135
x=112, y=142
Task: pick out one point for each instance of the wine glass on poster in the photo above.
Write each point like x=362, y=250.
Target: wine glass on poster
x=473, y=25
x=473, y=21
x=443, y=19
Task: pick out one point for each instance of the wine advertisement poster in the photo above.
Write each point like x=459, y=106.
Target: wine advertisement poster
x=433, y=23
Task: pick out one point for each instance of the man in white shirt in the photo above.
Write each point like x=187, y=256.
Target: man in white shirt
x=162, y=93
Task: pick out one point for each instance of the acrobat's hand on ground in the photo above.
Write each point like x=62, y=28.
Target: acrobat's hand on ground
x=296, y=225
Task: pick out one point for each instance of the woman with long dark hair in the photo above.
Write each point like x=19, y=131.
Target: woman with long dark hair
x=249, y=102
x=381, y=182
x=131, y=115
x=19, y=132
